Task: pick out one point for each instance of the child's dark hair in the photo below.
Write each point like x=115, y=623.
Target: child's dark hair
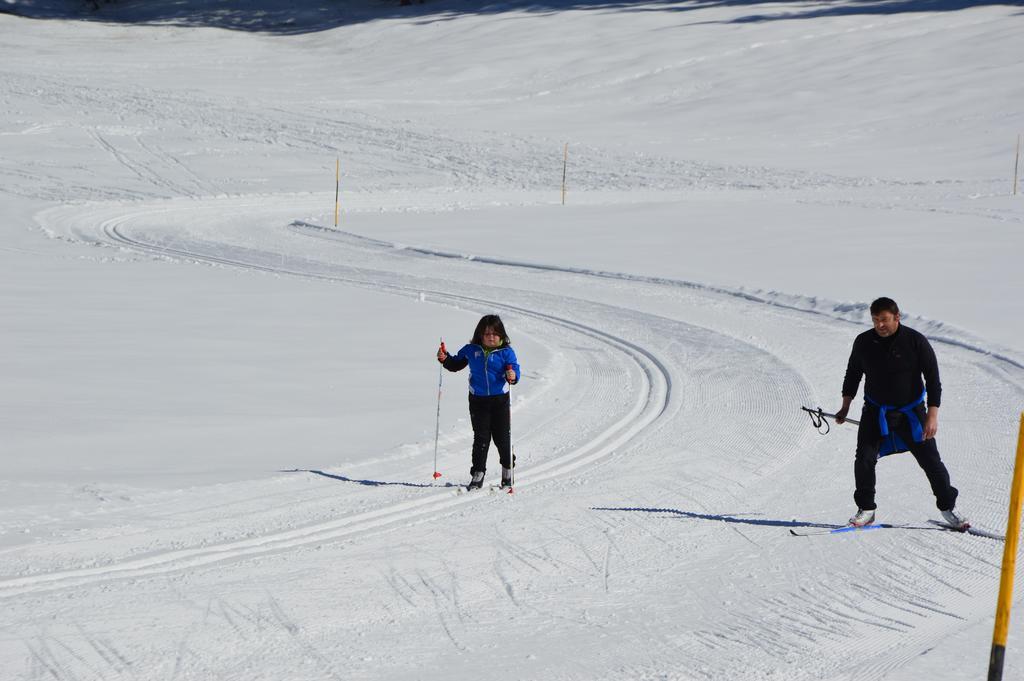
x=489, y=321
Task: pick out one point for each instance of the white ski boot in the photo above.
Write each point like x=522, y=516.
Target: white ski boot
x=862, y=517
x=955, y=520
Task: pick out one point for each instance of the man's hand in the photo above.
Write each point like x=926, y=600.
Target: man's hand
x=844, y=411
x=442, y=354
x=931, y=423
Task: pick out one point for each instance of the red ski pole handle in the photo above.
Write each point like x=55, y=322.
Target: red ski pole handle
x=510, y=373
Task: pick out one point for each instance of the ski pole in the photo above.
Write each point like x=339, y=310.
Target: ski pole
x=511, y=447
x=437, y=427
x=818, y=419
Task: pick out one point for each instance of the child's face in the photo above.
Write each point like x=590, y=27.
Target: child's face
x=491, y=337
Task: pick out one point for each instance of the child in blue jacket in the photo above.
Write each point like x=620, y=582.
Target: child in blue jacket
x=493, y=367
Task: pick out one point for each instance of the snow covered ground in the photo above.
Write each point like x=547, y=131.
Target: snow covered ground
x=217, y=411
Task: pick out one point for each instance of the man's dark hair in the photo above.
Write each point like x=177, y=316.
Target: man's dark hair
x=489, y=321
x=881, y=305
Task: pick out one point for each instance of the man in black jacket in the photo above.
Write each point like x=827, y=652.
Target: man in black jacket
x=893, y=359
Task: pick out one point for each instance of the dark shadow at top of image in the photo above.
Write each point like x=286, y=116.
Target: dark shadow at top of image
x=293, y=17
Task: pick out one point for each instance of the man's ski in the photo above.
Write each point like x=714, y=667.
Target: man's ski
x=977, y=532
x=841, y=529
x=935, y=524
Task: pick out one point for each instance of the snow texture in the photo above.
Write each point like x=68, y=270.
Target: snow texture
x=217, y=413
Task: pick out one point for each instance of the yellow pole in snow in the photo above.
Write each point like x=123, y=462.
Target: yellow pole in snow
x=1016, y=165
x=995, y=664
x=565, y=163
x=337, y=188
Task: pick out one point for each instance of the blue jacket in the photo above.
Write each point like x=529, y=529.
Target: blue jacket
x=486, y=368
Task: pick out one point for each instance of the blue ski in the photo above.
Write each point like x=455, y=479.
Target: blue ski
x=842, y=529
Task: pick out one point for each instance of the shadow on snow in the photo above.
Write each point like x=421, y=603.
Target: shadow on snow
x=368, y=483
x=763, y=522
x=290, y=17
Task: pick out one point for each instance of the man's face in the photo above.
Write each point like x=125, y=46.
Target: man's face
x=885, y=323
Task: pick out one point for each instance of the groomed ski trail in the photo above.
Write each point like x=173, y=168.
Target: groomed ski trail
x=648, y=404
x=698, y=363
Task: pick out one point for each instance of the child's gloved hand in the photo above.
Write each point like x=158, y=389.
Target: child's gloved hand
x=510, y=374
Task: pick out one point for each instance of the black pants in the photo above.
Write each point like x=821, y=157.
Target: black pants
x=869, y=438
x=491, y=421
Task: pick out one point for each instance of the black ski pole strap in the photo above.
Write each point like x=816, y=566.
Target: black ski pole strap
x=818, y=420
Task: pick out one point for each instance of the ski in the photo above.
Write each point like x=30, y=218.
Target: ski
x=933, y=525
x=842, y=529
x=491, y=489
x=977, y=532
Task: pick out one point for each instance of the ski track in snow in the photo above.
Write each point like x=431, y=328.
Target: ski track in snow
x=647, y=407
x=661, y=458
x=473, y=160
x=676, y=392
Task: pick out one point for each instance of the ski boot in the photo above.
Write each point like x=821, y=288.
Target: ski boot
x=862, y=517
x=955, y=520
x=477, y=482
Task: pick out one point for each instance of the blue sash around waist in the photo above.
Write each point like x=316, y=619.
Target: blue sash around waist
x=892, y=443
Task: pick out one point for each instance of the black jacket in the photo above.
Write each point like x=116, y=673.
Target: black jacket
x=893, y=368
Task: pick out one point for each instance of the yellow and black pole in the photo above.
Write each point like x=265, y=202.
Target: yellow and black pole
x=995, y=665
